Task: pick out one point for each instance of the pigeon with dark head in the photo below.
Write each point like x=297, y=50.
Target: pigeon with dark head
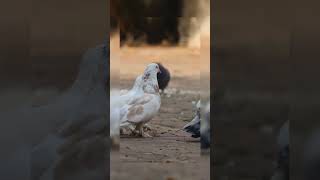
x=163, y=77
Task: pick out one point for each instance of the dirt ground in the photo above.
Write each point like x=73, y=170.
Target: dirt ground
x=170, y=153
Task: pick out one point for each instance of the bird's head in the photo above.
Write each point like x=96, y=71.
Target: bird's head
x=152, y=68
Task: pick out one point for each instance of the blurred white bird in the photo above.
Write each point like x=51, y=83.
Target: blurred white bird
x=139, y=111
x=114, y=122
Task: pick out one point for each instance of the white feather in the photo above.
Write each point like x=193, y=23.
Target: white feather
x=144, y=95
x=142, y=109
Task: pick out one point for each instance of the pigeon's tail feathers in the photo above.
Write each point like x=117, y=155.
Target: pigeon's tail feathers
x=194, y=130
x=195, y=120
x=193, y=127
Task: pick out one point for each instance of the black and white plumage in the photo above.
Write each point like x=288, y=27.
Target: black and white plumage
x=193, y=127
x=205, y=128
x=163, y=77
x=282, y=164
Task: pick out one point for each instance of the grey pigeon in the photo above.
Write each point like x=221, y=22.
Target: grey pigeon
x=205, y=128
x=193, y=127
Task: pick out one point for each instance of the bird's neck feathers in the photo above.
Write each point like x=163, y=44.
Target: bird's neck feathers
x=136, y=87
x=151, y=84
x=149, y=75
x=138, y=84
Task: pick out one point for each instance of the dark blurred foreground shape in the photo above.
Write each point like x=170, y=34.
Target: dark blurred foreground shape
x=281, y=171
x=267, y=63
x=68, y=137
x=205, y=130
x=54, y=45
x=311, y=156
x=251, y=62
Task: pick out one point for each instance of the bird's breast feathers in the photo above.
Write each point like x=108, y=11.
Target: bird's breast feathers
x=156, y=88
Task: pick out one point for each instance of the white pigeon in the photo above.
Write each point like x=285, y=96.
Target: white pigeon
x=139, y=111
x=118, y=99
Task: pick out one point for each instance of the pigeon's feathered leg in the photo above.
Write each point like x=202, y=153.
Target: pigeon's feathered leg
x=130, y=127
x=139, y=127
x=147, y=127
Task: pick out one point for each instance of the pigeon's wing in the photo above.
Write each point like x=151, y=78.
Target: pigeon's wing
x=193, y=127
x=135, y=110
x=194, y=121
